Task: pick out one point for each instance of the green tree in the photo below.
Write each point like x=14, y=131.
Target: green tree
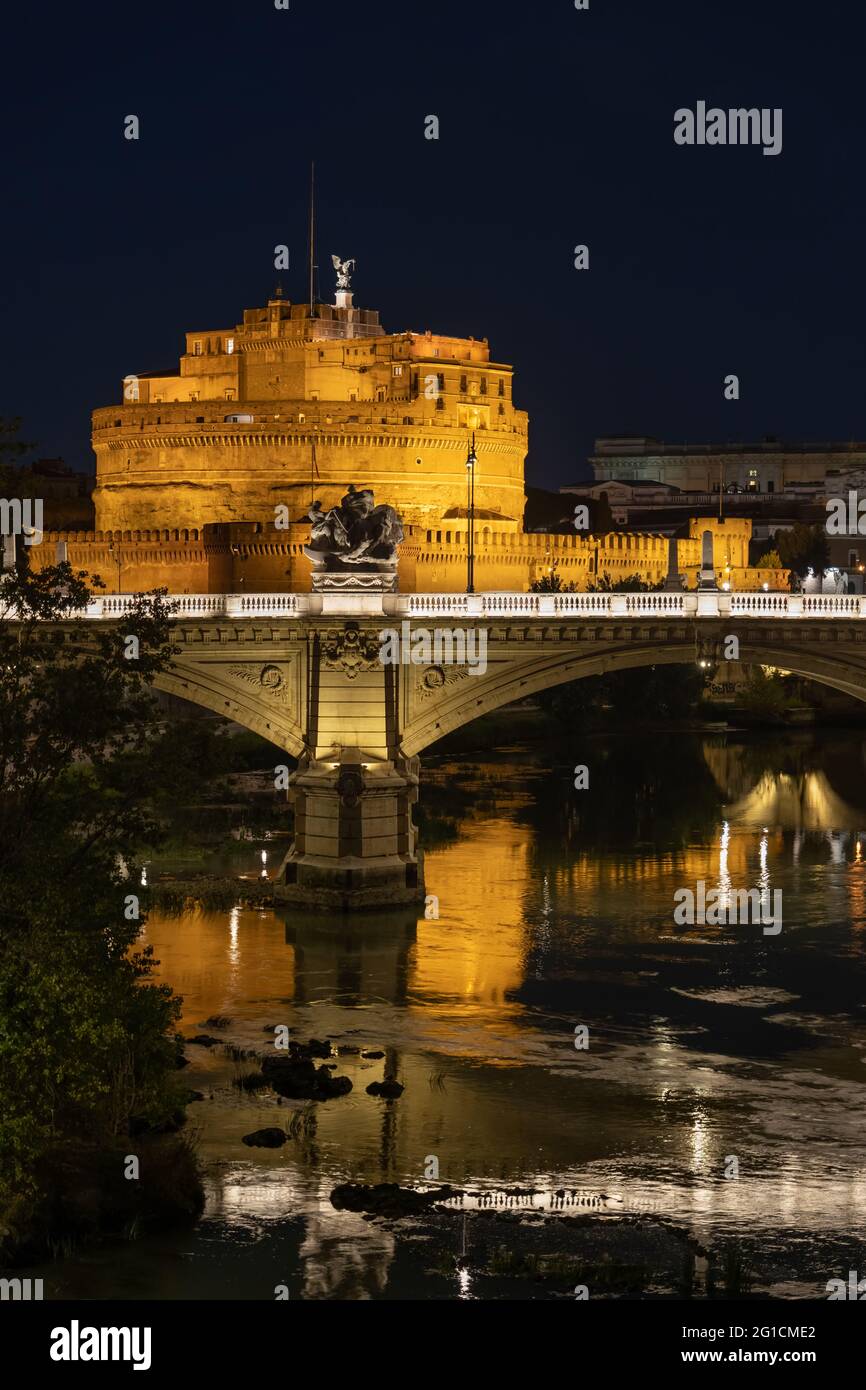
x=87, y=1039
x=765, y=695
x=803, y=548
x=552, y=582
x=770, y=560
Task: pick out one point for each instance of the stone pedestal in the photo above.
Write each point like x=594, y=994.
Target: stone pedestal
x=673, y=580
x=355, y=843
x=365, y=579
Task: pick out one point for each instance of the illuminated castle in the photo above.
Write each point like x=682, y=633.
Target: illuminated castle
x=291, y=404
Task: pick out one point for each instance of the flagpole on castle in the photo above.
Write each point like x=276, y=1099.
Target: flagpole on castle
x=312, y=231
x=471, y=461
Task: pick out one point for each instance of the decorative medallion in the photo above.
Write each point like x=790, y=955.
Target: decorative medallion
x=271, y=677
x=433, y=677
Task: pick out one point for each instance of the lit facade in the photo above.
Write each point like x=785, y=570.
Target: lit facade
x=287, y=405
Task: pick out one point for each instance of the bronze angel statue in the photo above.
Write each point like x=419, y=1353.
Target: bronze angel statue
x=344, y=271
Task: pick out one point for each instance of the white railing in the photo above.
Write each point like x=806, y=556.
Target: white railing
x=834, y=605
x=207, y=605
x=651, y=604
x=435, y=605
x=763, y=605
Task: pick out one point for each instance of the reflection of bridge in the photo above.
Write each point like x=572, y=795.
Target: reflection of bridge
x=304, y=671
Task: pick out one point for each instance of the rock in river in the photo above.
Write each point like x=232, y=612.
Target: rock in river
x=265, y=1138
x=389, y=1089
x=298, y=1078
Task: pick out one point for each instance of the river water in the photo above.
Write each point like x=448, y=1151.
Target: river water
x=555, y=911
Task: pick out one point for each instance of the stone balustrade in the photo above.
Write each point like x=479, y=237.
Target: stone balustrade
x=650, y=604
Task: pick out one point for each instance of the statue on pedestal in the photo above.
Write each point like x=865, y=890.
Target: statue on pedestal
x=354, y=545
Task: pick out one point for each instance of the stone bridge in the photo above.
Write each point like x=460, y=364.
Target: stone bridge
x=305, y=671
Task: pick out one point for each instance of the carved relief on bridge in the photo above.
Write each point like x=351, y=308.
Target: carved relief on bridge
x=436, y=678
x=268, y=680
x=351, y=650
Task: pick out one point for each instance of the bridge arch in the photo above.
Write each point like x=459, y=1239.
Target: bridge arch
x=279, y=724
x=517, y=676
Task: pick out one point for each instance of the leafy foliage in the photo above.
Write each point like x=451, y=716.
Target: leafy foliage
x=803, y=548
x=87, y=1039
x=770, y=560
x=766, y=695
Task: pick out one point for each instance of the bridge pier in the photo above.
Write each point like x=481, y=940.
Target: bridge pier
x=355, y=843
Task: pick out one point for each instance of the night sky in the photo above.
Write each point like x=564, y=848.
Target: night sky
x=556, y=129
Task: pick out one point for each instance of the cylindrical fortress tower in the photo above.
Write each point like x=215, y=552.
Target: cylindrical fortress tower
x=289, y=406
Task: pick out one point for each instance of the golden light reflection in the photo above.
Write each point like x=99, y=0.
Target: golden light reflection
x=234, y=946
x=724, y=874
x=487, y=934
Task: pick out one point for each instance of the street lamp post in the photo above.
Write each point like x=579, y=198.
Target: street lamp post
x=114, y=552
x=471, y=461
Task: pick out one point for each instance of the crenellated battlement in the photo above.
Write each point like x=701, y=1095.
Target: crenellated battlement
x=255, y=557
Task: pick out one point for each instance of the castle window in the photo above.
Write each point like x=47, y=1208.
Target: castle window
x=196, y=348
x=484, y=386
x=463, y=386
x=193, y=395
x=440, y=404
x=230, y=345
x=199, y=419
x=302, y=419
x=353, y=395
x=418, y=461
x=230, y=395
x=314, y=395
x=501, y=409
x=502, y=386
x=398, y=371
x=473, y=388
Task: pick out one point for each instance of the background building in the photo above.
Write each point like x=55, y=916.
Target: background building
x=770, y=466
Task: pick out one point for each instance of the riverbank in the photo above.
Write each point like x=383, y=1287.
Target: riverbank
x=89, y=1194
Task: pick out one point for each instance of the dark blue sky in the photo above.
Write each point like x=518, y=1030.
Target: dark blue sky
x=556, y=129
